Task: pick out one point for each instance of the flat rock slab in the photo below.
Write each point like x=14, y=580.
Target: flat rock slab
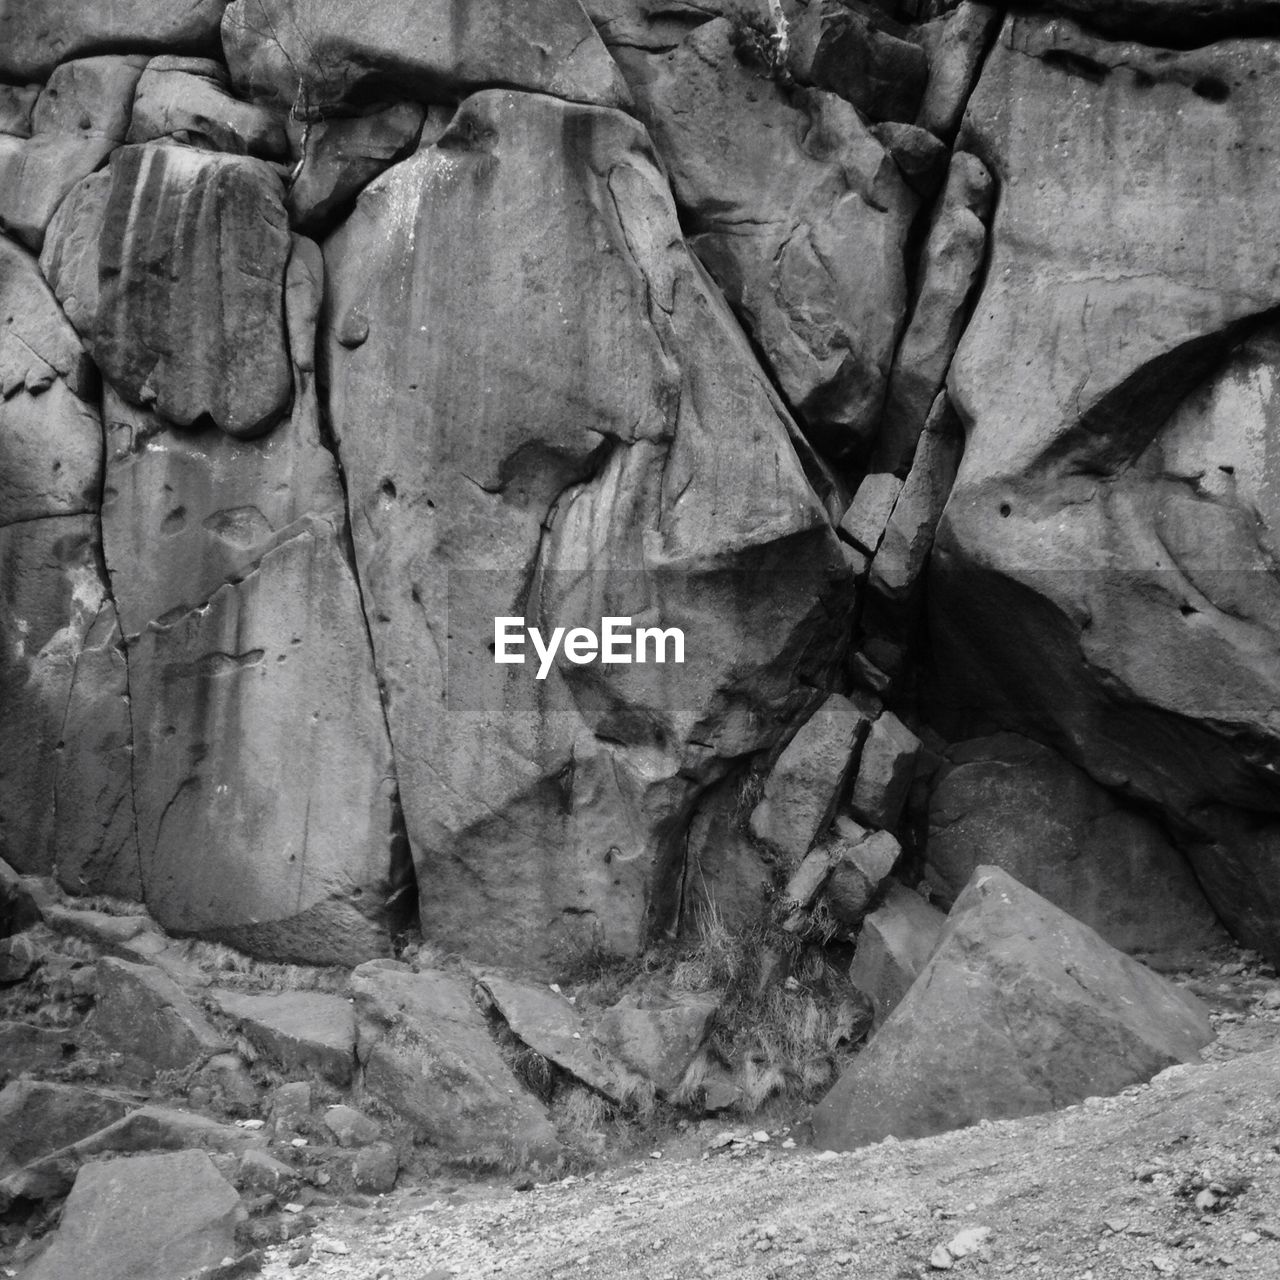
x=37, y=1117
x=143, y=1014
x=551, y=1026
x=298, y=1030
x=1021, y=1009
x=426, y=1053
x=149, y=1218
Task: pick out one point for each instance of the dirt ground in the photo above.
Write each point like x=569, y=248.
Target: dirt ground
x=1178, y=1177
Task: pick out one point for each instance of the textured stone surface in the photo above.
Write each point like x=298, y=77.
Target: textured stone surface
x=142, y=1013
x=37, y=1117
x=79, y=118
x=1012, y=803
x=171, y=266
x=894, y=944
x=342, y=156
x=187, y=100
x=424, y=1051
x=657, y=1033
x=34, y=38
x=1020, y=1010
x=726, y=870
x=266, y=693
x=316, y=54
x=954, y=44
x=886, y=766
x=798, y=213
x=18, y=907
x=1106, y=566
x=859, y=872
x=297, y=1030
x=545, y=353
x=148, y=1218
x=804, y=785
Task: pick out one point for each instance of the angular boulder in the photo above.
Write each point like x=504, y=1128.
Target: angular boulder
x=865, y=860
x=657, y=1033
x=623, y=456
x=1009, y=802
x=886, y=766
x=894, y=944
x=425, y=1052
x=147, y=1218
x=37, y=1118
x=799, y=214
x=297, y=1030
x=804, y=786
x=171, y=266
x=955, y=44
x=315, y=55
x=1019, y=1010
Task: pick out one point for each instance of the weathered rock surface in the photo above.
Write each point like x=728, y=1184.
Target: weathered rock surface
x=1177, y=23
x=81, y=116
x=266, y=693
x=343, y=156
x=171, y=266
x=954, y=44
x=799, y=214
x=24, y=1047
x=351, y=1128
x=951, y=261
x=1008, y=802
x=629, y=417
x=17, y=101
x=804, y=786
x=860, y=871
x=894, y=945
x=886, y=766
x=187, y=100
x=1020, y=1009
x=35, y=38
x=148, y=1218
x=657, y=1033
x=726, y=870
x=37, y=1118
x=297, y=1030
x=1106, y=565
x=318, y=54
x=142, y=1013
x=19, y=956
x=424, y=1051
x=19, y=909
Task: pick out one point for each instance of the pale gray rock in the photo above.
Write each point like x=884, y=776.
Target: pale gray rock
x=657, y=1033
x=955, y=45
x=297, y=1030
x=1019, y=1010
x=864, y=523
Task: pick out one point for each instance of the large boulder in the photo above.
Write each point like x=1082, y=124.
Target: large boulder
x=37, y=1118
x=1020, y=1009
x=314, y=55
x=800, y=215
x=1012, y=803
x=147, y=1218
x=425, y=1053
x=1104, y=574
x=171, y=265
x=569, y=427
x=35, y=38
x=297, y=1030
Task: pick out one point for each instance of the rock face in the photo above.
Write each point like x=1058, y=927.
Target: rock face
x=148, y=1218
x=317, y=54
x=171, y=266
x=798, y=213
x=638, y=429
x=1104, y=577
x=1012, y=803
x=1020, y=1010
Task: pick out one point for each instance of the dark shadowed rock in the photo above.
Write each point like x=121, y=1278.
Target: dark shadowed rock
x=24, y=1047
x=19, y=956
x=81, y=116
x=35, y=38
x=727, y=871
x=343, y=156
x=864, y=862
x=1019, y=1010
x=19, y=909
x=1008, y=802
x=317, y=54
x=799, y=214
x=660, y=24
x=375, y=1168
x=187, y=100
x=17, y=101
x=425, y=1052
x=351, y=1128
x=1106, y=565
x=37, y=1118
x=1177, y=23
x=805, y=784
x=886, y=766
x=144, y=1015
x=630, y=460
x=197, y=335
x=148, y=1218
x=297, y=1030
x=895, y=943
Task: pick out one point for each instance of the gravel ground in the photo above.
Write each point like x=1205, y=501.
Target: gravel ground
x=1177, y=1177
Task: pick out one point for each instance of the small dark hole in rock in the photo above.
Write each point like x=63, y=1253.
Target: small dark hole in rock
x=1187, y=610
x=1005, y=509
x=1230, y=471
x=1211, y=88
x=389, y=488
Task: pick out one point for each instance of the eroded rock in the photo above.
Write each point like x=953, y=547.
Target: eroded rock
x=298, y=1030
x=894, y=945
